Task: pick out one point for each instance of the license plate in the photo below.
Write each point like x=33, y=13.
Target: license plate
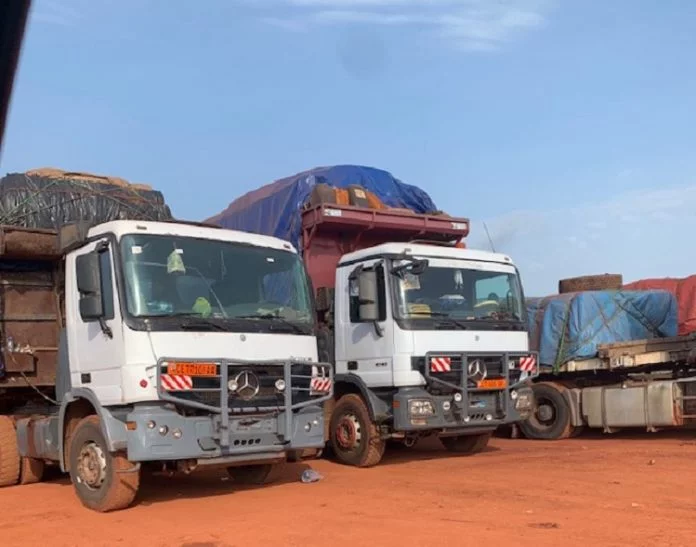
x=493, y=383
x=192, y=369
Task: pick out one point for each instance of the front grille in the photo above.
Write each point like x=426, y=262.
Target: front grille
x=208, y=390
x=447, y=381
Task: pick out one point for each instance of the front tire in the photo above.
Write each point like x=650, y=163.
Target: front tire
x=466, y=444
x=551, y=417
x=354, y=438
x=103, y=481
x=9, y=453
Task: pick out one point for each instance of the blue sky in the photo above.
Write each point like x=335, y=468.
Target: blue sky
x=568, y=126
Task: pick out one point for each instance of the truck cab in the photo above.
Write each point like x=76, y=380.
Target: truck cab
x=179, y=345
x=427, y=337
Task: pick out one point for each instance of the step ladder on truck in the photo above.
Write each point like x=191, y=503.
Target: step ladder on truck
x=133, y=344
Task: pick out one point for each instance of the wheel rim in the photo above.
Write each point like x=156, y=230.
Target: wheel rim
x=91, y=466
x=545, y=414
x=348, y=434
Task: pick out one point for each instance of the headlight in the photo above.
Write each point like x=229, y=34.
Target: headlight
x=280, y=384
x=420, y=407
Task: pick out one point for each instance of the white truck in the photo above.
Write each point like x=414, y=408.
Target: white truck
x=427, y=337
x=134, y=343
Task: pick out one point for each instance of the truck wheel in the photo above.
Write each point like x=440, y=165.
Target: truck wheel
x=250, y=474
x=31, y=471
x=103, y=481
x=466, y=444
x=9, y=453
x=354, y=439
x=551, y=418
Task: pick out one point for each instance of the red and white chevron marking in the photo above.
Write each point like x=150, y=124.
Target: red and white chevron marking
x=440, y=364
x=176, y=383
x=320, y=385
x=528, y=364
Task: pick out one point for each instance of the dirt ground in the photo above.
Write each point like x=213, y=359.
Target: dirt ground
x=594, y=490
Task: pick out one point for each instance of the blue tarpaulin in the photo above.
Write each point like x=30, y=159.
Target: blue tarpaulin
x=571, y=326
x=275, y=209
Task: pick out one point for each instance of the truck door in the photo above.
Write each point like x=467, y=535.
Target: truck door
x=95, y=357
x=359, y=347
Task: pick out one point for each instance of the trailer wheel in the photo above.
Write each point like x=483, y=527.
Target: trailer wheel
x=354, y=439
x=466, y=444
x=9, y=453
x=250, y=474
x=551, y=418
x=31, y=471
x=103, y=481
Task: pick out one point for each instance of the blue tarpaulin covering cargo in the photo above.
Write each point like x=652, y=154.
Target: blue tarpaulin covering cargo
x=275, y=209
x=571, y=326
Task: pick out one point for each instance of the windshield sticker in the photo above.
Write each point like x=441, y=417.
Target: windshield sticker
x=270, y=259
x=136, y=249
x=410, y=282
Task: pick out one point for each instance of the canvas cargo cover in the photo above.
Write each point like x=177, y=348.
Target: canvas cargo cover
x=275, y=209
x=50, y=198
x=571, y=326
x=683, y=289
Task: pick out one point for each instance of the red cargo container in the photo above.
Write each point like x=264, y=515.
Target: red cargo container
x=330, y=231
x=684, y=290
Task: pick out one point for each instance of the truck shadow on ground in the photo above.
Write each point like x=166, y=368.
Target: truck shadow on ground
x=685, y=434
x=429, y=448
x=157, y=487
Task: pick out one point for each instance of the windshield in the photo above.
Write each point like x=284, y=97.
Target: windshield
x=169, y=276
x=463, y=294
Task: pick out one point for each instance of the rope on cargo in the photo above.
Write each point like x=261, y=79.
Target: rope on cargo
x=585, y=336
x=132, y=199
x=32, y=386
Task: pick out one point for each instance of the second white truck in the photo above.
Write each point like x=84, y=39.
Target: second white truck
x=427, y=337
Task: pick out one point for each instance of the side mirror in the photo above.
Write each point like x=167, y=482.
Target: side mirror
x=89, y=285
x=419, y=266
x=368, y=296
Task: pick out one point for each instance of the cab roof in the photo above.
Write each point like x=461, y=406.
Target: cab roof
x=121, y=228
x=426, y=251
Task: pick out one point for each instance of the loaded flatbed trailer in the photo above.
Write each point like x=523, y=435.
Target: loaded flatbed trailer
x=647, y=384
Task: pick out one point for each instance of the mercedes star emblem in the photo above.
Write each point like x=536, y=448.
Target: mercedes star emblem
x=247, y=385
x=477, y=370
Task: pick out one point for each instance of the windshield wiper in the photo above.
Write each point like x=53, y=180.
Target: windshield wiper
x=199, y=322
x=189, y=320
x=451, y=321
x=294, y=328
x=429, y=313
x=443, y=319
x=500, y=317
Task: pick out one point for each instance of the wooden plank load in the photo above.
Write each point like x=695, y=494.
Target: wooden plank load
x=603, y=282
